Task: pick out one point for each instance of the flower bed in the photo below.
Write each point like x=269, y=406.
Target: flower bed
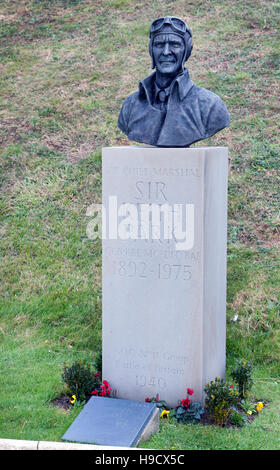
x=226, y=404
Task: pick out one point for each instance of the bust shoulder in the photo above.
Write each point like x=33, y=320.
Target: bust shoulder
x=212, y=109
x=205, y=96
x=126, y=110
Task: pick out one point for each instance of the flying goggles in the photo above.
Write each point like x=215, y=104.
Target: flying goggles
x=178, y=25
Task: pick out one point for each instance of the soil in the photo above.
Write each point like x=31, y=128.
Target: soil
x=63, y=401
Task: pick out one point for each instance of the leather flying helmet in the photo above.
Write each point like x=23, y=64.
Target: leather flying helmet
x=174, y=25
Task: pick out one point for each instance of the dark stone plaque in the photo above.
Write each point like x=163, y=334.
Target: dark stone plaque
x=110, y=422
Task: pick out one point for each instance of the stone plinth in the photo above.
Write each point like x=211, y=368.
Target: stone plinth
x=164, y=270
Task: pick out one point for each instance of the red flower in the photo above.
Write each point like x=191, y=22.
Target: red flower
x=186, y=402
x=231, y=386
x=105, y=389
x=147, y=399
x=189, y=391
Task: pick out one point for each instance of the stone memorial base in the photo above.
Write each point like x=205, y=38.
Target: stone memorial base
x=164, y=270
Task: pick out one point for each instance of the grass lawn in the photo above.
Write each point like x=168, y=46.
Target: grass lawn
x=66, y=67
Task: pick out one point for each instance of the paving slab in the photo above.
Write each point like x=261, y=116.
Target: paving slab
x=114, y=422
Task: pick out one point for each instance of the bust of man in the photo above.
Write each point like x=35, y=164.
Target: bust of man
x=168, y=110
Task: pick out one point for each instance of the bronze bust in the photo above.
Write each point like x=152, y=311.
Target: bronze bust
x=168, y=110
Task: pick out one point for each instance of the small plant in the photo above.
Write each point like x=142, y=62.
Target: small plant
x=237, y=419
x=248, y=407
x=242, y=375
x=161, y=404
x=188, y=411
x=80, y=380
x=220, y=399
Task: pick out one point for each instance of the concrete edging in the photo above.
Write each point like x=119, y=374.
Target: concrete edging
x=15, y=444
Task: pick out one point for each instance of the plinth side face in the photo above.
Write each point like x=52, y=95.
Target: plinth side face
x=156, y=274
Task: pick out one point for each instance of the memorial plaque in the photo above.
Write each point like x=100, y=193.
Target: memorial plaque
x=164, y=270
x=112, y=422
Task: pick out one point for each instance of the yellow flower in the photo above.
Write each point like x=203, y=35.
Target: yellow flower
x=249, y=412
x=165, y=414
x=259, y=406
x=74, y=398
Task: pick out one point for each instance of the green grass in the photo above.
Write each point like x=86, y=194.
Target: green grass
x=66, y=67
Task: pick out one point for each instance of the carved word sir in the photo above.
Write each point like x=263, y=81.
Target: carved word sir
x=150, y=190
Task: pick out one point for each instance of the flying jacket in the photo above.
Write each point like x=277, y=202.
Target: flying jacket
x=192, y=114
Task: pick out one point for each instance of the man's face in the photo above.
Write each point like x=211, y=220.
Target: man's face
x=168, y=52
